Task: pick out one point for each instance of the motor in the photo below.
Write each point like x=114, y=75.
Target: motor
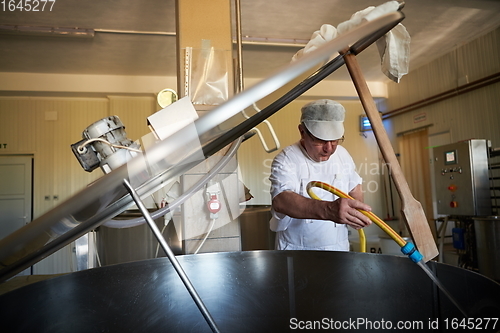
x=105, y=144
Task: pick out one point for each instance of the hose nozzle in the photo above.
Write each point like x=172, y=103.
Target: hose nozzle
x=411, y=251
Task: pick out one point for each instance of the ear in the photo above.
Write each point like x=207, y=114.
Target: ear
x=301, y=131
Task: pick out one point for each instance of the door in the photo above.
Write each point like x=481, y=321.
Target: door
x=15, y=193
x=414, y=159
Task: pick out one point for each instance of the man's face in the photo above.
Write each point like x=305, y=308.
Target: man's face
x=319, y=150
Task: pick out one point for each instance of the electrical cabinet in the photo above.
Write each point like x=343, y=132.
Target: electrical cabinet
x=462, y=178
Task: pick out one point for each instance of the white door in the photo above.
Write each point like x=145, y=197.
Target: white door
x=15, y=194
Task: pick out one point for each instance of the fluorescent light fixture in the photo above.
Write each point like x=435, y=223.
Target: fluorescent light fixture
x=364, y=124
x=26, y=30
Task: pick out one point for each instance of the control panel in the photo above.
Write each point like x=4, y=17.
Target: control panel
x=461, y=178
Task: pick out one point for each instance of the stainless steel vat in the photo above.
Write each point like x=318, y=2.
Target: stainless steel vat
x=116, y=246
x=487, y=230
x=254, y=226
x=261, y=291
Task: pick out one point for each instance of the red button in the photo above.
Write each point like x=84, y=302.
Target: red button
x=453, y=204
x=452, y=188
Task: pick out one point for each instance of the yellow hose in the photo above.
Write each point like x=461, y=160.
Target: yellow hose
x=388, y=230
x=362, y=240
x=361, y=233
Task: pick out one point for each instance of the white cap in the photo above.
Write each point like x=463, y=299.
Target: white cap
x=324, y=119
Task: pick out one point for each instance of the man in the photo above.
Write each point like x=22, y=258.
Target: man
x=303, y=223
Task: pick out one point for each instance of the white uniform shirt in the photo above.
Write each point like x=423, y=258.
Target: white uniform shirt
x=291, y=170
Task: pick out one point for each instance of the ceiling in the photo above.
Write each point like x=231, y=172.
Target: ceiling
x=436, y=27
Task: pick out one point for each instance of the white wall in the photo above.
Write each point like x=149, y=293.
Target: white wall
x=45, y=127
x=473, y=114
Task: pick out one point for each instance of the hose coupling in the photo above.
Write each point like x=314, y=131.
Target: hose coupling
x=410, y=250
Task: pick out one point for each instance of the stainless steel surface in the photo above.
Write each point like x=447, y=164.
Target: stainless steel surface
x=255, y=232
x=173, y=260
x=82, y=253
x=487, y=230
x=462, y=181
x=106, y=198
x=248, y=292
x=116, y=246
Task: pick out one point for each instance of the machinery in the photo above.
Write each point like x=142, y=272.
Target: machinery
x=105, y=144
x=211, y=191
x=462, y=178
x=466, y=192
x=232, y=292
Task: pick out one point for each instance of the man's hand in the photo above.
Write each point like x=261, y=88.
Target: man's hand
x=340, y=211
x=345, y=211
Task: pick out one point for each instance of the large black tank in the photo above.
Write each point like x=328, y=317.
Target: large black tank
x=263, y=291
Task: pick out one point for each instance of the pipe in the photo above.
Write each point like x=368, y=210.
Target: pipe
x=240, y=84
x=135, y=32
x=40, y=31
x=239, y=52
x=486, y=81
x=206, y=237
x=173, y=260
x=247, y=40
x=266, y=41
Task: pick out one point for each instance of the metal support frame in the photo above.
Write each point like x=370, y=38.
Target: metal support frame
x=177, y=266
